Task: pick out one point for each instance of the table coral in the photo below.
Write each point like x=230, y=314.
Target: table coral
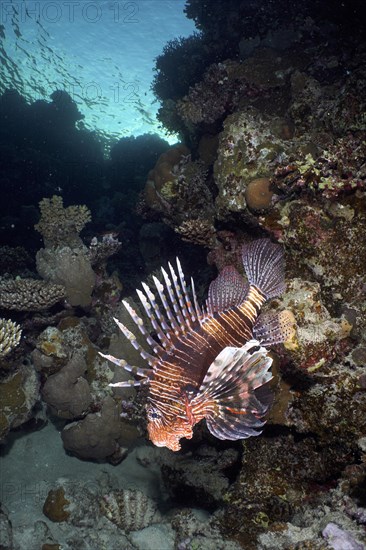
x=29, y=294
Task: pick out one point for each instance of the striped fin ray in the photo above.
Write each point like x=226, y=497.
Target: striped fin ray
x=275, y=328
x=188, y=302
x=132, y=338
x=227, y=396
x=265, y=267
x=227, y=290
x=173, y=322
x=172, y=297
x=136, y=371
x=158, y=350
x=197, y=309
x=149, y=306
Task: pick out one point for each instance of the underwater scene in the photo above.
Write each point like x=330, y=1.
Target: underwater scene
x=182, y=275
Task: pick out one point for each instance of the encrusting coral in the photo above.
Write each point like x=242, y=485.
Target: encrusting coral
x=10, y=334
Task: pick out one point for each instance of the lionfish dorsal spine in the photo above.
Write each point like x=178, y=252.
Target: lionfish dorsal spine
x=137, y=371
x=179, y=290
x=199, y=312
x=132, y=338
x=148, y=310
x=188, y=301
x=173, y=323
x=173, y=300
x=153, y=306
x=140, y=324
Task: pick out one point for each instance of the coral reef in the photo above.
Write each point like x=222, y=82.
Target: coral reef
x=199, y=231
x=29, y=294
x=67, y=392
x=65, y=260
x=129, y=509
x=199, y=478
x=10, y=334
x=19, y=393
x=101, y=435
x=61, y=226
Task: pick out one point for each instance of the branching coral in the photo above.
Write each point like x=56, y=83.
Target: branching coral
x=65, y=259
x=10, y=334
x=29, y=294
x=59, y=225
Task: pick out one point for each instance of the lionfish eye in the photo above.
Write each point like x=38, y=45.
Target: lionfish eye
x=153, y=414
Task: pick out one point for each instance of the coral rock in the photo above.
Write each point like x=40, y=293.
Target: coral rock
x=56, y=506
x=67, y=393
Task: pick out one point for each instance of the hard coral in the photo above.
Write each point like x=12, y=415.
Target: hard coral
x=59, y=225
x=9, y=336
x=29, y=294
x=65, y=259
x=223, y=87
x=249, y=148
x=312, y=231
x=199, y=231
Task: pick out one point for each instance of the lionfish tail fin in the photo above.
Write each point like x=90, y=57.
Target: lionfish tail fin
x=264, y=266
x=275, y=328
x=230, y=395
x=227, y=290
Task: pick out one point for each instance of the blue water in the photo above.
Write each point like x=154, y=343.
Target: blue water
x=102, y=53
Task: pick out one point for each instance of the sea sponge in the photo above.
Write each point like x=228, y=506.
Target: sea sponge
x=9, y=336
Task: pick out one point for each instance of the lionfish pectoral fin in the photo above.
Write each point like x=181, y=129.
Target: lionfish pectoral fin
x=275, y=328
x=227, y=290
x=264, y=266
x=229, y=396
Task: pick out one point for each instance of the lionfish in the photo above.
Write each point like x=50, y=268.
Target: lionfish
x=210, y=363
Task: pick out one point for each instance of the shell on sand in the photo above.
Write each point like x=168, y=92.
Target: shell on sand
x=129, y=509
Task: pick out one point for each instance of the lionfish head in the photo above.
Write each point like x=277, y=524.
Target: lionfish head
x=166, y=431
